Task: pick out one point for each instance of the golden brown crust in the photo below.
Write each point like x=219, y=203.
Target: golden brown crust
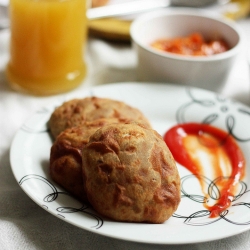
x=77, y=111
x=130, y=175
x=66, y=156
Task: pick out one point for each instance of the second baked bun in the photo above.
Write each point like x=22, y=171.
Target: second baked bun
x=77, y=111
x=130, y=175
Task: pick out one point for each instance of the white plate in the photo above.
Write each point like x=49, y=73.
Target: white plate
x=165, y=105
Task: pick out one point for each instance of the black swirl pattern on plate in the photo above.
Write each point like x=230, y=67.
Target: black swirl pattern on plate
x=214, y=194
x=218, y=106
x=66, y=209
x=211, y=110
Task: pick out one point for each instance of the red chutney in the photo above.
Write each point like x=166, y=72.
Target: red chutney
x=216, y=144
x=193, y=45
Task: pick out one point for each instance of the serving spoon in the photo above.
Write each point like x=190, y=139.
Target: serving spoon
x=125, y=8
x=139, y=6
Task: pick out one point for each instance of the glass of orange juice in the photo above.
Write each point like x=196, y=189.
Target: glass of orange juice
x=47, y=45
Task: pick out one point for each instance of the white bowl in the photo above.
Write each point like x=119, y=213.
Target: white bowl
x=209, y=72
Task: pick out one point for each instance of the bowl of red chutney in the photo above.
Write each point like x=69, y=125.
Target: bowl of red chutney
x=185, y=46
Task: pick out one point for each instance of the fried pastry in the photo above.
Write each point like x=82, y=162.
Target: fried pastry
x=130, y=175
x=66, y=156
x=77, y=111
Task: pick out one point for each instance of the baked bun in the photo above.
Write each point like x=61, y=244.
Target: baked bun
x=77, y=111
x=66, y=156
x=130, y=175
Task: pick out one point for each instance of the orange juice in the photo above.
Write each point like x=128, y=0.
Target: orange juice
x=47, y=45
